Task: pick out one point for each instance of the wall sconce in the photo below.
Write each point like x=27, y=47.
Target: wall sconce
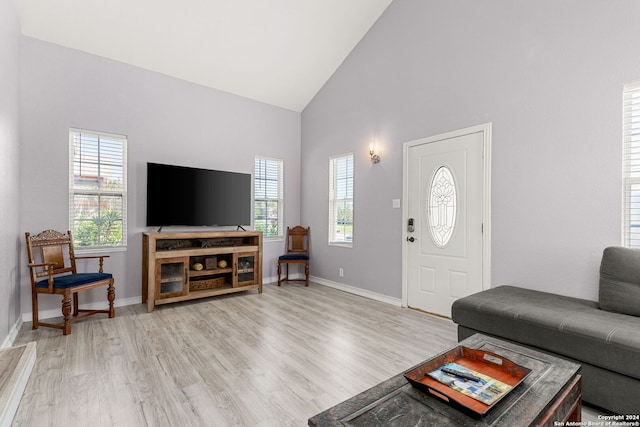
x=375, y=158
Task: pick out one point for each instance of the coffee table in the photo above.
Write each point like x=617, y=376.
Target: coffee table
x=551, y=392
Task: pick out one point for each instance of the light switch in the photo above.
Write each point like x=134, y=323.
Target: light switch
x=395, y=203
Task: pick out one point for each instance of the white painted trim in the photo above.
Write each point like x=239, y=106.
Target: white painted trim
x=486, y=202
x=14, y=387
x=356, y=291
x=13, y=333
x=274, y=279
x=57, y=312
x=486, y=208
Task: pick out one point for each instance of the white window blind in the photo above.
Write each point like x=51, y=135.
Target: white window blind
x=98, y=189
x=341, y=200
x=631, y=165
x=268, y=193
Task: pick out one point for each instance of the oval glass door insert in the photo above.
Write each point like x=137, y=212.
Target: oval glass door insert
x=441, y=206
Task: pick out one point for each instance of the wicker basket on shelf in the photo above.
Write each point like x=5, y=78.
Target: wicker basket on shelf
x=201, y=285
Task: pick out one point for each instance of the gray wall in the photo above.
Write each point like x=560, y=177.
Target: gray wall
x=10, y=240
x=166, y=120
x=547, y=74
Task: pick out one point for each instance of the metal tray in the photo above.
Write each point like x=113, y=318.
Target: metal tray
x=484, y=362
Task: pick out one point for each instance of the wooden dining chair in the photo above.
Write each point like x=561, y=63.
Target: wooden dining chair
x=52, y=265
x=297, y=248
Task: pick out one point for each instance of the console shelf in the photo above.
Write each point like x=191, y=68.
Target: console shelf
x=185, y=266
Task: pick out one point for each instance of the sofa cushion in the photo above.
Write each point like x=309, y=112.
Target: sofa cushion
x=571, y=327
x=620, y=280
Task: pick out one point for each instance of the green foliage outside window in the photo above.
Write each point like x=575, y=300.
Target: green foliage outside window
x=266, y=217
x=104, y=229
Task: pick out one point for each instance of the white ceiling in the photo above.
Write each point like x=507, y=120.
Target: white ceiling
x=280, y=52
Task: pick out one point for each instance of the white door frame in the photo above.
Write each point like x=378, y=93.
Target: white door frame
x=486, y=199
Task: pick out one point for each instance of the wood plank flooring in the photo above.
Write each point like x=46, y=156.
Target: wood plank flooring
x=246, y=359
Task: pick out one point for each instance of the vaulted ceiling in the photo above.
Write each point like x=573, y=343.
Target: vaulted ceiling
x=280, y=52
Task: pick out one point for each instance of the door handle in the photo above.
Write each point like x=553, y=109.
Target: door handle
x=411, y=239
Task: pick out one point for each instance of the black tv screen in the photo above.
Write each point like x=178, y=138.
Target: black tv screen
x=178, y=195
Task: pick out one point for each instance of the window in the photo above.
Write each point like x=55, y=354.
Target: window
x=631, y=165
x=268, y=193
x=98, y=189
x=442, y=206
x=341, y=200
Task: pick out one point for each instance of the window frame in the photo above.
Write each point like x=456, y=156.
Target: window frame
x=631, y=165
x=335, y=201
x=73, y=191
x=279, y=164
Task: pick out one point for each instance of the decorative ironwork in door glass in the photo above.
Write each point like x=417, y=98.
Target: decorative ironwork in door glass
x=441, y=206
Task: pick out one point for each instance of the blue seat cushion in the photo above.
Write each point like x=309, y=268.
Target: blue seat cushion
x=301, y=256
x=73, y=280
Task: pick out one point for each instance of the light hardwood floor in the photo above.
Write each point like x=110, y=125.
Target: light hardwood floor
x=247, y=359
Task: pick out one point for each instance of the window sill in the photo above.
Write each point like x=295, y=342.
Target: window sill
x=272, y=239
x=341, y=244
x=98, y=250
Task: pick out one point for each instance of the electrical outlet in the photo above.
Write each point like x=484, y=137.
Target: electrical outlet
x=340, y=272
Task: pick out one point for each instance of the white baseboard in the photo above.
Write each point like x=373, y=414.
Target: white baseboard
x=266, y=280
x=357, y=291
x=274, y=279
x=13, y=333
x=15, y=383
x=57, y=312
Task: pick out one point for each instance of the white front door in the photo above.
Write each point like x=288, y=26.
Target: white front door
x=444, y=218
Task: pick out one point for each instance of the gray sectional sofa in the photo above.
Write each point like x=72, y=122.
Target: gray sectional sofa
x=603, y=336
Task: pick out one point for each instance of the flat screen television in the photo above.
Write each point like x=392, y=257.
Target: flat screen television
x=178, y=195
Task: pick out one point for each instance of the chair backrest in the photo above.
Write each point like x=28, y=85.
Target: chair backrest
x=51, y=246
x=297, y=240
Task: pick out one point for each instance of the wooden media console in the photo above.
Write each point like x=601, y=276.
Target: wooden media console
x=189, y=265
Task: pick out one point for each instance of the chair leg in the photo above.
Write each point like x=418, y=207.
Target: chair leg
x=66, y=312
x=75, y=305
x=111, y=296
x=279, y=272
x=34, y=310
x=306, y=273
